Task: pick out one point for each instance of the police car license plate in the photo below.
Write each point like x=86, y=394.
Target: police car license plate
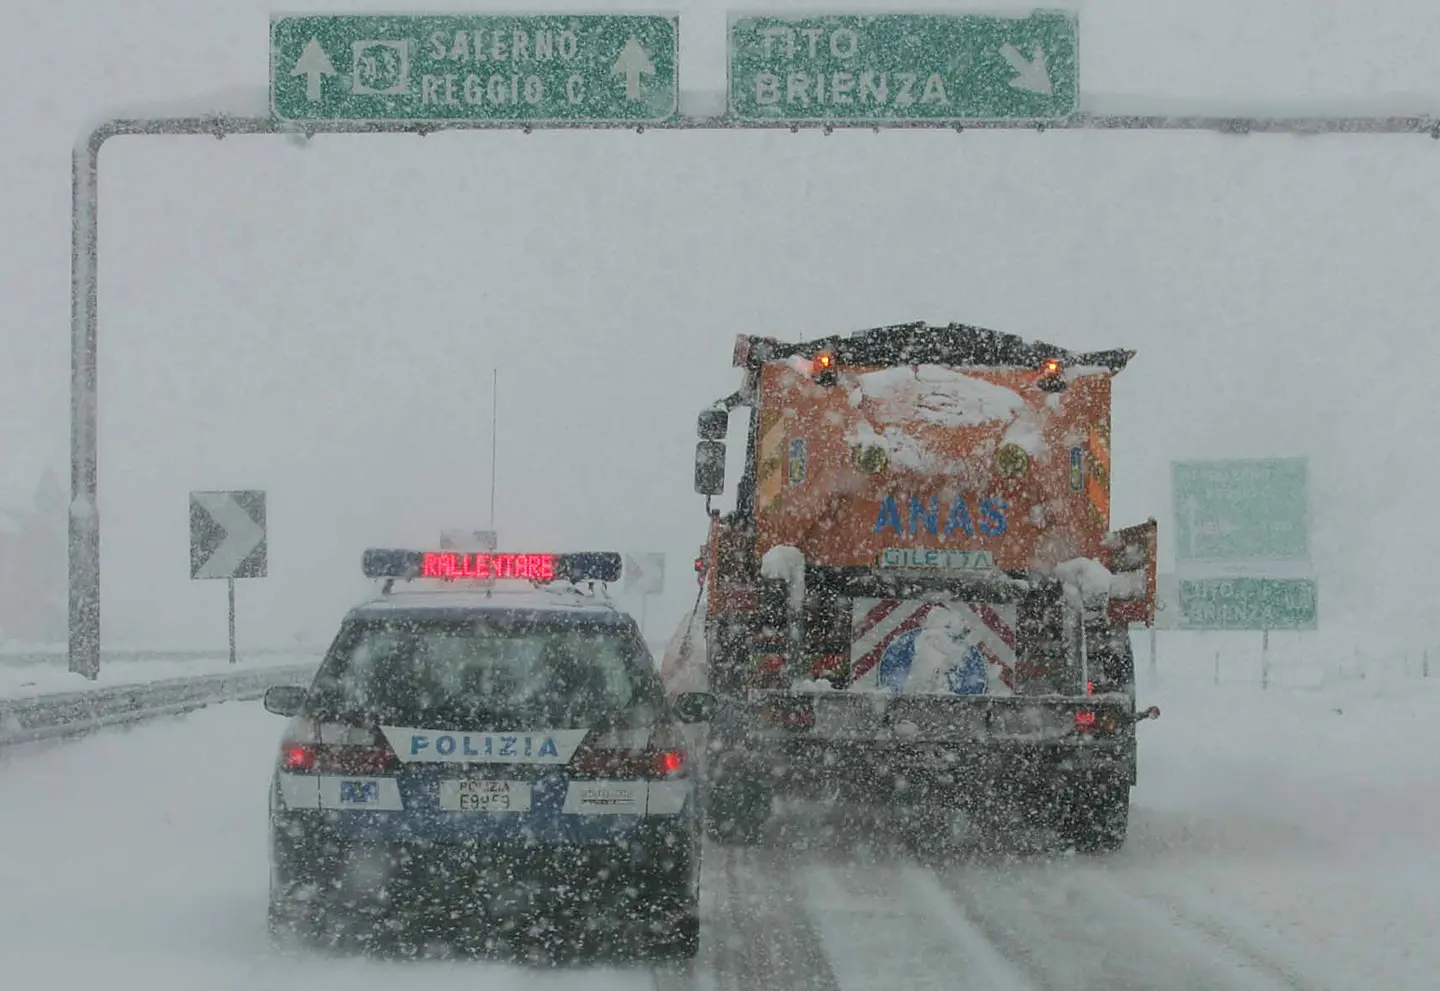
x=484, y=795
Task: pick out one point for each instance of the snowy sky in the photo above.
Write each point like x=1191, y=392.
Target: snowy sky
x=321, y=321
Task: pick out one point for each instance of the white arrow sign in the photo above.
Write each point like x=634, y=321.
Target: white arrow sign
x=1032, y=75
x=242, y=534
x=633, y=61
x=314, y=65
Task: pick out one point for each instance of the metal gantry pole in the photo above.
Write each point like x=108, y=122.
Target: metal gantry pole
x=84, y=515
x=84, y=645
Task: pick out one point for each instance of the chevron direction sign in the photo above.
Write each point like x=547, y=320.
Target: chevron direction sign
x=227, y=534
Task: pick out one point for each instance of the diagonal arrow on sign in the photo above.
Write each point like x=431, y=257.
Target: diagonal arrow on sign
x=242, y=535
x=1032, y=74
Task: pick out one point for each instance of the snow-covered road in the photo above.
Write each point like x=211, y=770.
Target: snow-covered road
x=1280, y=839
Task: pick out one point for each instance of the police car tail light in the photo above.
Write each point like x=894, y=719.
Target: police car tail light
x=298, y=751
x=668, y=763
x=298, y=756
x=611, y=755
x=357, y=760
x=355, y=750
x=667, y=753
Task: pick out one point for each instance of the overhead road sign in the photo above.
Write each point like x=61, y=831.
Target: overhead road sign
x=227, y=534
x=893, y=68
x=1241, y=510
x=1248, y=604
x=581, y=68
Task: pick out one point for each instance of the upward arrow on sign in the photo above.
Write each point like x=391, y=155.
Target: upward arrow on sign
x=314, y=65
x=633, y=62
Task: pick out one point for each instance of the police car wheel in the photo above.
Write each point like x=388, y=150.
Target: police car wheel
x=289, y=920
x=682, y=942
x=285, y=925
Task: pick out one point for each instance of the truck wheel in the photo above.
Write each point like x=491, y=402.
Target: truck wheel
x=737, y=813
x=1098, y=819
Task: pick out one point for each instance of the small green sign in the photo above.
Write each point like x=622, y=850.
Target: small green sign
x=904, y=67
x=581, y=68
x=1241, y=510
x=1248, y=604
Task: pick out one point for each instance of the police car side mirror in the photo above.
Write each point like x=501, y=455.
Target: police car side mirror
x=696, y=707
x=285, y=700
x=710, y=467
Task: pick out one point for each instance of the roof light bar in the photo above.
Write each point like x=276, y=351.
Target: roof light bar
x=601, y=566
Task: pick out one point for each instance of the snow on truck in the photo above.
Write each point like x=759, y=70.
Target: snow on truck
x=917, y=600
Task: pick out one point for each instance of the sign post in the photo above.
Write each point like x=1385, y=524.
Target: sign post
x=227, y=540
x=937, y=67
x=1242, y=531
x=580, y=68
x=230, y=583
x=644, y=573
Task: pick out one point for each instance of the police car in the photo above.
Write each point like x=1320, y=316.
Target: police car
x=489, y=744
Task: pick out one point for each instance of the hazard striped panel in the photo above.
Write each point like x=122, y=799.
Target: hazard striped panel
x=876, y=624
x=769, y=479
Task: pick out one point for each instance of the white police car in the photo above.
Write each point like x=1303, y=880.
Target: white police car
x=493, y=746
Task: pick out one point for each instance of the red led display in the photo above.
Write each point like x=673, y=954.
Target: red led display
x=449, y=564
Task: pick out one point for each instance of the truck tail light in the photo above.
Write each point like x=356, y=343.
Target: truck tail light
x=1093, y=723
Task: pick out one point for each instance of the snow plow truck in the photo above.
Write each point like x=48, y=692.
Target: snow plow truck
x=917, y=601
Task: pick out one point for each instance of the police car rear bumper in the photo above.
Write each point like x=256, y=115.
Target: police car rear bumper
x=649, y=874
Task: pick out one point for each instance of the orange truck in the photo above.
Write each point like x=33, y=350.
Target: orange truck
x=917, y=601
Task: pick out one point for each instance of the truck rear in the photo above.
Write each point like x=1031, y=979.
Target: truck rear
x=917, y=601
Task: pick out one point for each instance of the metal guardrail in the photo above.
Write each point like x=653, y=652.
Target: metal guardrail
x=58, y=657
x=73, y=713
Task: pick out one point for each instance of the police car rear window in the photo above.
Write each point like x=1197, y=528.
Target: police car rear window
x=481, y=675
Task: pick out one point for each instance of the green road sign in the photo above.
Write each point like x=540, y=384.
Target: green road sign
x=904, y=67
x=1248, y=604
x=1241, y=510
x=581, y=68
